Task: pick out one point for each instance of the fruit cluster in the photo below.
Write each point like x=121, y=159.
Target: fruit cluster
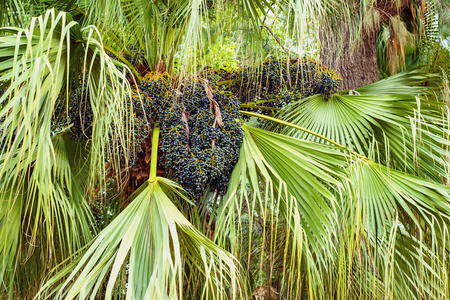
x=277, y=82
x=80, y=110
x=200, y=134
x=201, y=137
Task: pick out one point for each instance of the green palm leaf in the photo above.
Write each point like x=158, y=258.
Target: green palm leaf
x=12, y=12
x=294, y=181
x=152, y=245
x=161, y=28
x=384, y=216
x=404, y=131
x=416, y=82
x=383, y=194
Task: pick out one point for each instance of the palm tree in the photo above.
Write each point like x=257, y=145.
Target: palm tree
x=341, y=194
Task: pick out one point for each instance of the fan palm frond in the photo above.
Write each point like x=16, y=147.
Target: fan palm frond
x=406, y=131
x=31, y=212
x=292, y=180
x=146, y=251
x=381, y=211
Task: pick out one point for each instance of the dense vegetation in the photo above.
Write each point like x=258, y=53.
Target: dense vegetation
x=206, y=150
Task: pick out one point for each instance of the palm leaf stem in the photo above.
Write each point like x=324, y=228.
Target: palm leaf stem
x=228, y=81
x=259, y=102
x=259, y=107
x=154, y=162
x=252, y=114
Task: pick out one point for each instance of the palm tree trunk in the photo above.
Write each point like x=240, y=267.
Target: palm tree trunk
x=357, y=65
x=357, y=61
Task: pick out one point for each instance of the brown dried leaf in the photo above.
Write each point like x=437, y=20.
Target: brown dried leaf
x=212, y=103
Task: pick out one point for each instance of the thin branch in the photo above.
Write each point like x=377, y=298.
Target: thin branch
x=277, y=39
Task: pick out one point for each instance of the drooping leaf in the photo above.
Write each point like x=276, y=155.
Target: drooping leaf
x=41, y=182
x=54, y=218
